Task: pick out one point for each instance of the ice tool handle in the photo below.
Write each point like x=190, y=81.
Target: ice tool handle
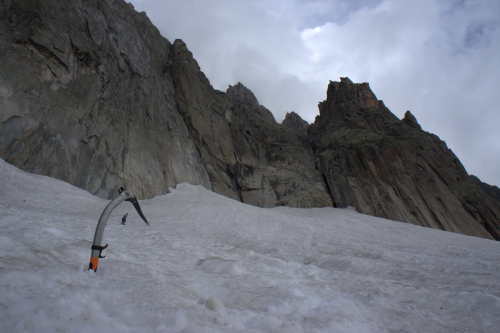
x=96, y=246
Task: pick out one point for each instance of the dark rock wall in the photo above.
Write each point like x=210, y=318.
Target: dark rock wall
x=92, y=94
x=293, y=121
x=390, y=168
x=87, y=96
x=248, y=155
x=492, y=191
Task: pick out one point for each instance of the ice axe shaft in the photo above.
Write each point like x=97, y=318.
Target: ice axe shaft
x=96, y=245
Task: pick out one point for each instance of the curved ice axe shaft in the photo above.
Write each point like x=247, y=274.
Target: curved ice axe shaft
x=96, y=245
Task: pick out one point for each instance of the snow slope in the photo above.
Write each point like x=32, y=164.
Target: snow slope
x=212, y=264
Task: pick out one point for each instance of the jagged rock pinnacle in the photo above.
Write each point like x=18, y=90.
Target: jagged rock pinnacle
x=410, y=120
x=294, y=121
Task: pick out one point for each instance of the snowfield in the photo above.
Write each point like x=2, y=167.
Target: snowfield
x=212, y=264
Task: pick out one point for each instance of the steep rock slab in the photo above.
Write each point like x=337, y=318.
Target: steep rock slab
x=196, y=100
x=277, y=167
x=87, y=96
x=390, y=168
x=247, y=154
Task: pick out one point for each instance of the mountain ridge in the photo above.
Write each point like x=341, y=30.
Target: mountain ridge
x=92, y=94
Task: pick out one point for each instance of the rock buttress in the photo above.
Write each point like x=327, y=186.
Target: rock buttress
x=390, y=168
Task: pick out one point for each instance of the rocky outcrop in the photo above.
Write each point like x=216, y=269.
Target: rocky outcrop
x=390, y=168
x=87, y=96
x=247, y=154
x=92, y=94
x=492, y=191
x=275, y=166
x=293, y=121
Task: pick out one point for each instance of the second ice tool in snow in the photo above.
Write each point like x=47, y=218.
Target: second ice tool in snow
x=96, y=245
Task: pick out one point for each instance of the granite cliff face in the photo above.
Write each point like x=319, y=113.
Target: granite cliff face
x=390, y=168
x=87, y=96
x=92, y=94
x=247, y=154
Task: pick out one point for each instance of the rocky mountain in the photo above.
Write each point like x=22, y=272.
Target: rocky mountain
x=247, y=155
x=92, y=94
x=87, y=96
x=391, y=168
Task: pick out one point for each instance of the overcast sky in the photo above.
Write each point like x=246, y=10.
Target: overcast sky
x=437, y=58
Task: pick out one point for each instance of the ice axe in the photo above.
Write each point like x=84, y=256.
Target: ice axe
x=96, y=246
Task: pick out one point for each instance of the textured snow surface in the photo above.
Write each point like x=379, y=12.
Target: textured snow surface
x=212, y=264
